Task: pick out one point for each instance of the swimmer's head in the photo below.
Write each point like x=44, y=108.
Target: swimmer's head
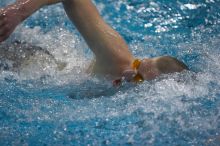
x=151, y=68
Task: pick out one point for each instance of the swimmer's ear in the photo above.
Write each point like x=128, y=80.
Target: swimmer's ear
x=129, y=74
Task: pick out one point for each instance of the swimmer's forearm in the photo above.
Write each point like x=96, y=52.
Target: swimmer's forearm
x=12, y=15
x=38, y=3
x=28, y=7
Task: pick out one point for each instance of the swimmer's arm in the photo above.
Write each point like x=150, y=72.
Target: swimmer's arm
x=14, y=14
x=105, y=42
x=28, y=7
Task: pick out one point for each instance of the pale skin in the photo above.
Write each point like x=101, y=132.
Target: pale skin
x=112, y=55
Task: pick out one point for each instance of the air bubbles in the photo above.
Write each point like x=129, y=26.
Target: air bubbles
x=148, y=25
x=160, y=29
x=190, y=6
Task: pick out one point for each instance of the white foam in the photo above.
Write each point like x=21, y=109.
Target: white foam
x=190, y=6
x=152, y=108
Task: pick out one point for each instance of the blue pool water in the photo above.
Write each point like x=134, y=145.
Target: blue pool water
x=42, y=106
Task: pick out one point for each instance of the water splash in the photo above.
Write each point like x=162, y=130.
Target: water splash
x=176, y=109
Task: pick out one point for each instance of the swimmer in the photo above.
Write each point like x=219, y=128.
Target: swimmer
x=112, y=56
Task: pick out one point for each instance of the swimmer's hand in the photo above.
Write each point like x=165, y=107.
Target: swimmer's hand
x=14, y=14
x=10, y=17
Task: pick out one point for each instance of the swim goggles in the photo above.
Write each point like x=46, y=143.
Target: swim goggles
x=137, y=78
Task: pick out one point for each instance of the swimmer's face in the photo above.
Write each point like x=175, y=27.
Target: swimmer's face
x=149, y=69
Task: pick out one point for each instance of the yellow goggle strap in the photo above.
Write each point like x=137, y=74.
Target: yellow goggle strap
x=135, y=66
